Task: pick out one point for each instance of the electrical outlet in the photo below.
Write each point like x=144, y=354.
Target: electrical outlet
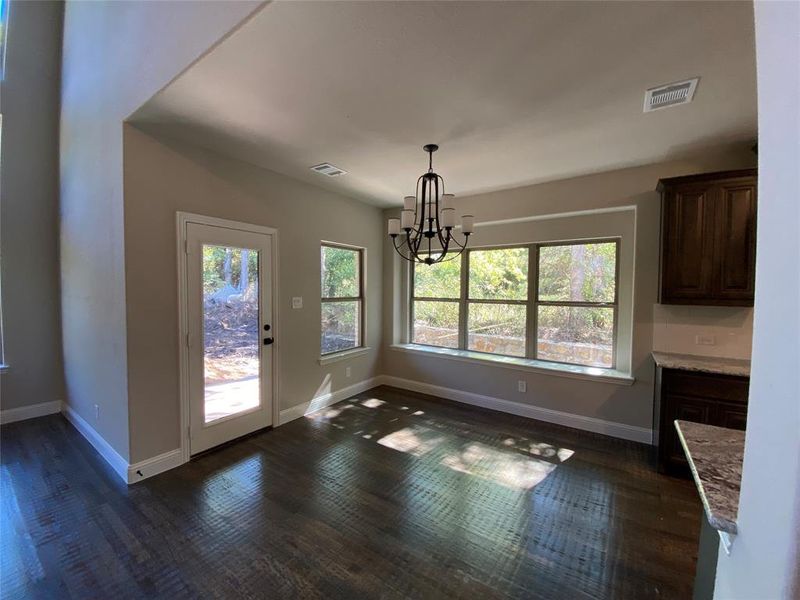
x=705, y=340
x=96, y=412
x=522, y=386
x=347, y=372
x=297, y=302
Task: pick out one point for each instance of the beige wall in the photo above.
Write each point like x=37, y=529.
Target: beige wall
x=675, y=329
x=163, y=177
x=628, y=405
x=29, y=218
x=116, y=55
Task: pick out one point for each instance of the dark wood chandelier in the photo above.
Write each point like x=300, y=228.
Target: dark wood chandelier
x=425, y=227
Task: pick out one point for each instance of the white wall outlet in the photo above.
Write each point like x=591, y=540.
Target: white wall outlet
x=347, y=372
x=96, y=412
x=522, y=386
x=705, y=340
x=297, y=302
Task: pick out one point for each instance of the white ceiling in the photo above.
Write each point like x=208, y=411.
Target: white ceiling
x=513, y=92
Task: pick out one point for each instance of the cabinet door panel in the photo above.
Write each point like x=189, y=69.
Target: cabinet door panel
x=732, y=416
x=735, y=245
x=688, y=247
x=729, y=388
x=681, y=408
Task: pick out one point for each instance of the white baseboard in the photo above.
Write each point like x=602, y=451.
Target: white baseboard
x=319, y=402
x=155, y=465
x=610, y=428
x=112, y=457
x=42, y=409
x=169, y=460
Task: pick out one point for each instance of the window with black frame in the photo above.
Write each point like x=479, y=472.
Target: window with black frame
x=555, y=302
x=342, y=298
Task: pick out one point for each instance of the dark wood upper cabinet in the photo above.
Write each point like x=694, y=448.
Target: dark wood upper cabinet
x=708, y=238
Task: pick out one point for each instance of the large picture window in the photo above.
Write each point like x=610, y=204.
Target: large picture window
x=342, y=298
x=554, y=302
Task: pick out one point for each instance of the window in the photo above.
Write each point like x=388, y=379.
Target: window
x=554, y=302
x=435, y=306
x=342, y=298
x=497, y=300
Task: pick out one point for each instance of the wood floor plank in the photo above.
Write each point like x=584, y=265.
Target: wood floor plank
x=389, y=494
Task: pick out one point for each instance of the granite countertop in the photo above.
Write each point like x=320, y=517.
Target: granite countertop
x=715, y=456
x=704, y=364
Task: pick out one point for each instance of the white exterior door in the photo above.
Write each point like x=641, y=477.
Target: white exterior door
x=229, y=318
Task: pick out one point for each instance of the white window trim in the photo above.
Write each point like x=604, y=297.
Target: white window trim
x=521, y=364
x=362, y=348
x=333, y=357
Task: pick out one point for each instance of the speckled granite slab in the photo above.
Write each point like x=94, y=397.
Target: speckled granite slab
x=715, y=456
x=704, y=364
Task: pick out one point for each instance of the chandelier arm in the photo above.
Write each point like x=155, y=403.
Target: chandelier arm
x=436, y=209
x=453, y=255
x=423, y=203
x=398, y=248
x=445, y=248
x=418, y=241
x=455, y=241
x=416, y=198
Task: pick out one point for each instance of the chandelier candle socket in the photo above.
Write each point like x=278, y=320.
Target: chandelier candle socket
x=426, y=223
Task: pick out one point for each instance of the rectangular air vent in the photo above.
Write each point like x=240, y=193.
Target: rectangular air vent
x=328, y=169
x=673, y=94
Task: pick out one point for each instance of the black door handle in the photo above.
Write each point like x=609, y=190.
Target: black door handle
x=268, y=341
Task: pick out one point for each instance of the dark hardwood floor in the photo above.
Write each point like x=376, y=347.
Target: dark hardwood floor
x=389, y=494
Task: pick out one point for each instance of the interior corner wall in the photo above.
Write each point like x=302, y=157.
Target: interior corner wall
x=764, y=561
x=29, y=209
x=163, y=177
x=634, y=187
x=115, y=56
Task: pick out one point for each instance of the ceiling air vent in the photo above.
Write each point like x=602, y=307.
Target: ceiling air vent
x=673, y=94
x=328, y=169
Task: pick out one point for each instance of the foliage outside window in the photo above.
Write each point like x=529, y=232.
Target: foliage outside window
x=553, y=302
x=435, y=308
x=342, y=298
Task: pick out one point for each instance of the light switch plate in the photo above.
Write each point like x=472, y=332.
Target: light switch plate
x=297, y=302
x=522, y=386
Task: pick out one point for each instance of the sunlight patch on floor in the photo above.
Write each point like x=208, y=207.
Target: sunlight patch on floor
x=414, y=440
x=505, y=468
x=373, y=403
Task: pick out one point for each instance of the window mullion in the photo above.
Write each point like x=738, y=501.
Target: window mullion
x=530, y=316
x=462, y=303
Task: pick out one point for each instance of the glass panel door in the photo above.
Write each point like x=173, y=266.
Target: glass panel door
x=230, y=333
x=231, y=340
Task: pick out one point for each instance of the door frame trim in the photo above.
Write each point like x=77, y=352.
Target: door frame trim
x=182, y=219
